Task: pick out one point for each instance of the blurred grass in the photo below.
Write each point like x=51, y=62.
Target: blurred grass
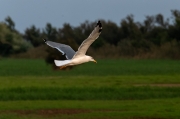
x=89, y=93
x=30, y=67
x=120, y=87
x=108, y=80
x=85, y=81
x=124, y=109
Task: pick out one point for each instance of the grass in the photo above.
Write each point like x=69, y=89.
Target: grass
x=153, y=108
x=88, y=93
x=110, y=89
x=85, y=81
x=23, y=67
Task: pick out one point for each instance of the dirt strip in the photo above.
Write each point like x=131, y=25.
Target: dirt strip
x=55, y=112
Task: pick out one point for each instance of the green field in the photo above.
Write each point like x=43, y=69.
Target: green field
x=112, y=68
x=125, y=89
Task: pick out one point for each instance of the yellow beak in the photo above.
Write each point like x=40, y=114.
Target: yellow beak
x=95, y=61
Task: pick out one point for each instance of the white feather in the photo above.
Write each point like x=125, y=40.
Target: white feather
x=61, y=62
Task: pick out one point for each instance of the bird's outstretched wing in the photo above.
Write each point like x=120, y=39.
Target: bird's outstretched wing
x=87, y=42
x=64, y=49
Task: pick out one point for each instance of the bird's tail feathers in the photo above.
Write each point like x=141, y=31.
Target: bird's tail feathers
x=61, y=62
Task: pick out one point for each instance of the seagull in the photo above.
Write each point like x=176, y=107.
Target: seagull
x=78, y=57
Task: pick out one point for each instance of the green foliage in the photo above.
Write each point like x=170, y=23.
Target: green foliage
x=50, y=32
x=150, y=38
x=10, y=23
x=33, y=35
x=11, y=42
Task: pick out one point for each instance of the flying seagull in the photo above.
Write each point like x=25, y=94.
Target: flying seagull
x=79, y=57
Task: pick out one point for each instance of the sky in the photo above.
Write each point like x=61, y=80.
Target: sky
x=26, y=13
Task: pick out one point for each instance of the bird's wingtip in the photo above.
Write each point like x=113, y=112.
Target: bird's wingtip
x=44, y=39
x=99, y=23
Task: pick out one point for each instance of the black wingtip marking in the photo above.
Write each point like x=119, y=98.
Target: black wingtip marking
x=44, y=39
x=99, y=24
x=100, y=30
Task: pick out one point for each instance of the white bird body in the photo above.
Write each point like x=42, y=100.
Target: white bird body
x=80, y=60
x=79, y=57
x=75, y=61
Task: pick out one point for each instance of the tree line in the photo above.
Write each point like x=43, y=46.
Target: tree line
x=155, y=37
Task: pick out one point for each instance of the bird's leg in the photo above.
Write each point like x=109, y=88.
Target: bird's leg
x=62, y=67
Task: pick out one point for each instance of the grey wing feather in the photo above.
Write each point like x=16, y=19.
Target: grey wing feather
x=87, y=42
x=64, y=49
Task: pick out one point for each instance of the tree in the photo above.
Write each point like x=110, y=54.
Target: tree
x=110, y=32
x=33, y=35
x=129, y=29
x=161, y=22
x=11, y=42
x=50, y=32
x=10, y=23
x=174, y=30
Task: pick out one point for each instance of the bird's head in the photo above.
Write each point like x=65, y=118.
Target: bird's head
x=92, y=59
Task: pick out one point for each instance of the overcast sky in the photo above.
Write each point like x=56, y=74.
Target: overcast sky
x=26, y=13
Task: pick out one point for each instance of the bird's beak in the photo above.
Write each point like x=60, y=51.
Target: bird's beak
x=94, y=61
